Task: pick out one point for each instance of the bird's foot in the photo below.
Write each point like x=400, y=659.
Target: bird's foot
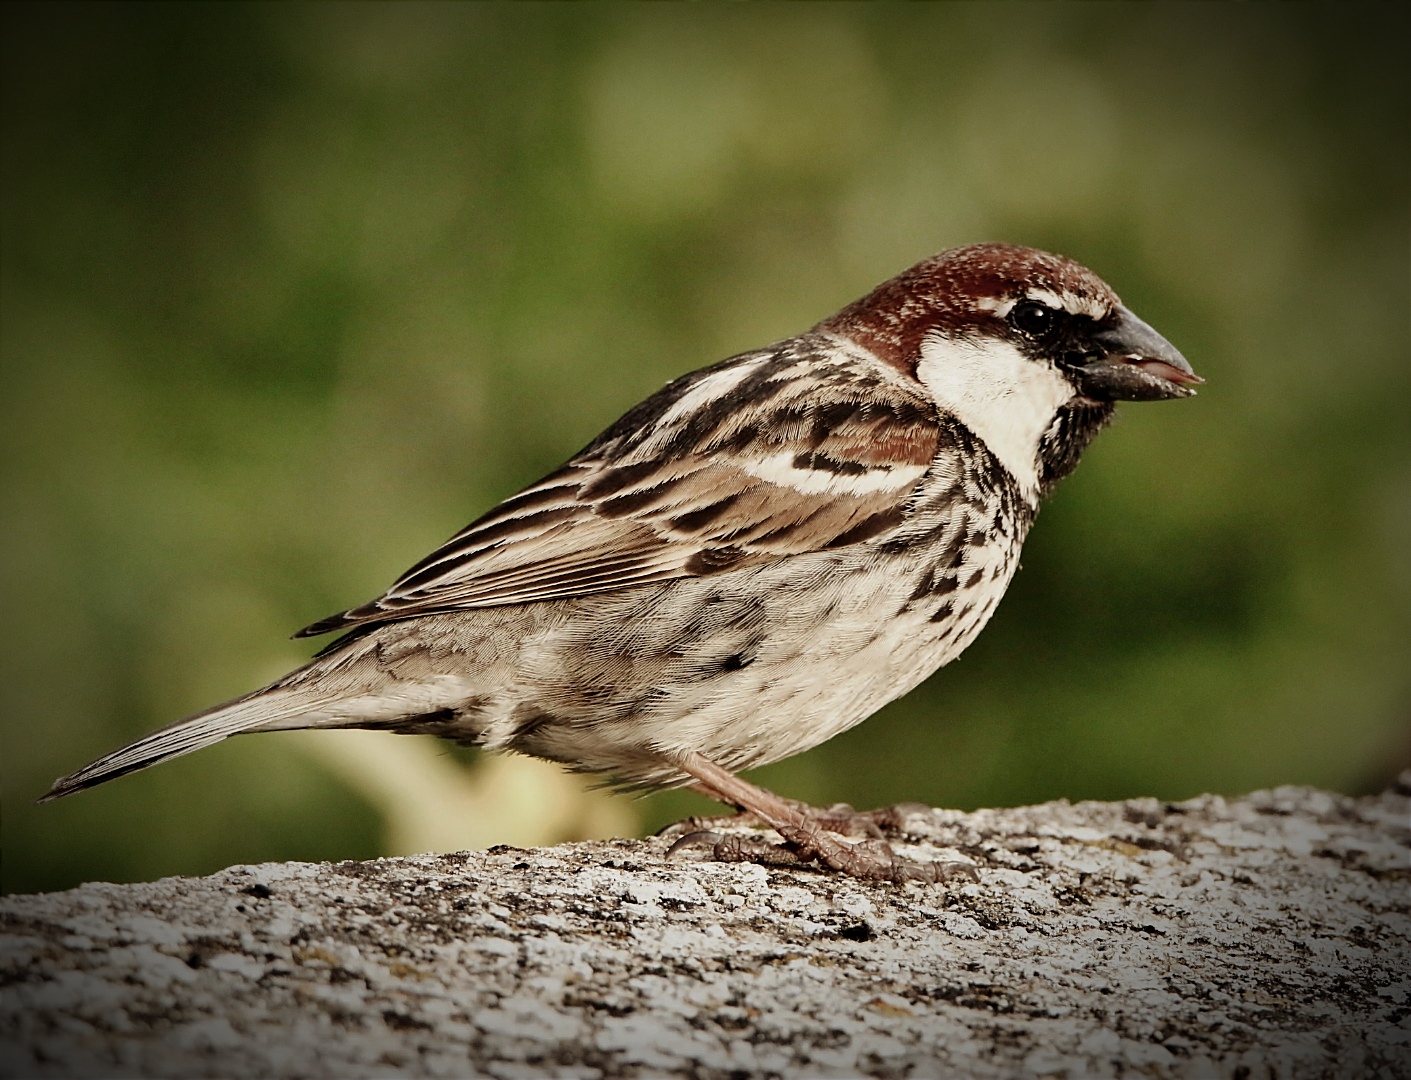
x=884, y=822
x=810, y=834
x=868, y=860
x=842, y=818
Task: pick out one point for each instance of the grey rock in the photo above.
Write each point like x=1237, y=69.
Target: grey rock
x=1256, y=937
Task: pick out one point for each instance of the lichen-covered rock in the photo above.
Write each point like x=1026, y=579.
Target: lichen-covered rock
x=1265, y=936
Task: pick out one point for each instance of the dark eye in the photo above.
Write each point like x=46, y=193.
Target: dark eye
x=1032, y=318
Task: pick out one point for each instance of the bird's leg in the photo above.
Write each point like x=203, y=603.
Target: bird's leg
x=806, y=836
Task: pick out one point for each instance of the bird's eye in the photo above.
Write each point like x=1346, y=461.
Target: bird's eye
x=1032, y=318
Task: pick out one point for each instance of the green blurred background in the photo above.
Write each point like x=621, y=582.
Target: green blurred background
x=291, y=293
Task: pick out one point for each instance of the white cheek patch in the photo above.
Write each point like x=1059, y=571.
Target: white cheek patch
x=1005, y=398
x=780, y=469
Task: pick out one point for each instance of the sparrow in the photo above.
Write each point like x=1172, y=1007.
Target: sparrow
x=755, y=558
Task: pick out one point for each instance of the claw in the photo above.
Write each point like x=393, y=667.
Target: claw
x=698, y=838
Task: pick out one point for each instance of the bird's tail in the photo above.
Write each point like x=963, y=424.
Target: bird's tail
x=267, y=709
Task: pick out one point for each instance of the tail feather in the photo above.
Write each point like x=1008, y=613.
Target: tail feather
x=261, y=710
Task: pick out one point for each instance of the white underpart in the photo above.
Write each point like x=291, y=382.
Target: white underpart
x=1004, y=397
x=780, y=469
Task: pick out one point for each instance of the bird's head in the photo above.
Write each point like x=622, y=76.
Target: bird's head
x=1028, y=349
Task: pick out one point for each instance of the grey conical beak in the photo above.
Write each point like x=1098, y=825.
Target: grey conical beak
x=1135, y=363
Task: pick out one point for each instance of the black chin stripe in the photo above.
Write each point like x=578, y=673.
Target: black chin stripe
x=1068, y=436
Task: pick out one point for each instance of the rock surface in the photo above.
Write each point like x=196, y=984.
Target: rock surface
x=1260, y=937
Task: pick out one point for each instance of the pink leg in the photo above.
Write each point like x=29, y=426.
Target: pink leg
x=806, y=831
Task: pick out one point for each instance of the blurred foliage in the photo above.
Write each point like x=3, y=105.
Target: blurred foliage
x=292, y=292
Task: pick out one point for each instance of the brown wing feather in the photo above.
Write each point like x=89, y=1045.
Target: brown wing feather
x=691, y=483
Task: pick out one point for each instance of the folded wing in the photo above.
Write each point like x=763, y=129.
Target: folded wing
x=745, y=462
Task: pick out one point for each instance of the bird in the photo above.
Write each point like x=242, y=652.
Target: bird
x=752, y=560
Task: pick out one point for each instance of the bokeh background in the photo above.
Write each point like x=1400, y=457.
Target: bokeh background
x=292, y=292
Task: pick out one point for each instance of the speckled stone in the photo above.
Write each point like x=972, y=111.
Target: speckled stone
x=1263, y=936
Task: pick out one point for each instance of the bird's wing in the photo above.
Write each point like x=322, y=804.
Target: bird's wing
x=771, y=454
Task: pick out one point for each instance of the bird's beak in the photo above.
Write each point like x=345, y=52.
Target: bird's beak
x=1134, y=363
